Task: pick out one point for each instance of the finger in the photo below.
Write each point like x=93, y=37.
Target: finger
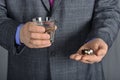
x=40, y=36
x=76, y=56
x=35, y=46
x=29, y=45
x=87, y=62
x=40, y=42
x=36, y=29
x=92, y=58
x=41, y=46
x=101, y=53
x=72, y=56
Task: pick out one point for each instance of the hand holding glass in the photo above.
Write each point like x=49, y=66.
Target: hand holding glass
x=49, y=27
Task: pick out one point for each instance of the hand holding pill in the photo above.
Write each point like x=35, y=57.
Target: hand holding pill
x=91, y=52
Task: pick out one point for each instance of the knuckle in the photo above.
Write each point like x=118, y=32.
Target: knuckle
x=36, y=46
x=28, y=23
x=42, y=29
x=45, y=42
x=47, y=36
x=32, y=42
x=41, y=36
x=30, y=28
x=31, y=35
x=30, y=46
x=49, y=42
x=42, y=42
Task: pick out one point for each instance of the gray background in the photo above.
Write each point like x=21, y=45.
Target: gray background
x=111, y=62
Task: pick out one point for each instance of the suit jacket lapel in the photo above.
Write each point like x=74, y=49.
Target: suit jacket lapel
x=46, y=4
x=56, y=4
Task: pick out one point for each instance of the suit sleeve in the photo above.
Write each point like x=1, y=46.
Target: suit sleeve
x=8, y=28
x=106, y=21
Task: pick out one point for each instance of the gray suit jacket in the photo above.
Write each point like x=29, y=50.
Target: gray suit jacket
x=78, y=21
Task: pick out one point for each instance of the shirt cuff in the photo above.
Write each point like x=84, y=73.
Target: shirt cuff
x=17, y=36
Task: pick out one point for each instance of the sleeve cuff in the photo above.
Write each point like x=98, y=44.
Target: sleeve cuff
x=103, y=35
x=17, y=36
